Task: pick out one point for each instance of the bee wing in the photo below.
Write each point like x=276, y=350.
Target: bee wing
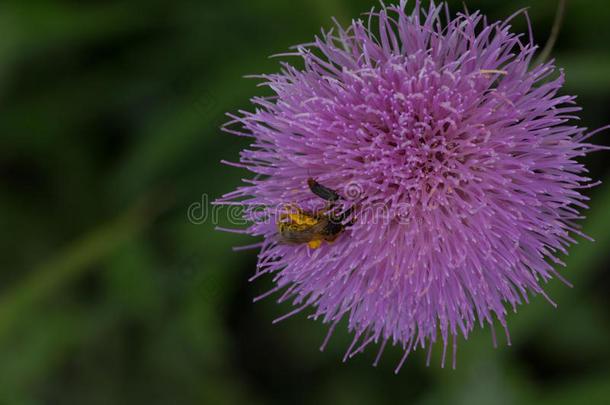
x=297, y=237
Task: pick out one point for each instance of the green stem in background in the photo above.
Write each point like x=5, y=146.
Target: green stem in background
x=75, y=259
x=550, y=43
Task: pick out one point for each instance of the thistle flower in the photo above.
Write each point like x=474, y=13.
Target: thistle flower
x=452, y=156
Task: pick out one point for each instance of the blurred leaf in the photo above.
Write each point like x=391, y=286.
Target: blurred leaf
x=586, y=74
x=71, y=262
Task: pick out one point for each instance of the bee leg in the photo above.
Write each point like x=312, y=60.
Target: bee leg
x=342, y=217
x=329, y=207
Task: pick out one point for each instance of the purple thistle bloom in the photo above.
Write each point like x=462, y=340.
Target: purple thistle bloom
x=454, y=161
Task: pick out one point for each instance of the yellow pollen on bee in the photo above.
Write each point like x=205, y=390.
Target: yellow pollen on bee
x=314, y=243
x=302, y=219
x=297, y=218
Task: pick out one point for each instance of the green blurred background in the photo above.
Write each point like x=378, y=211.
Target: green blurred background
x=109, y=119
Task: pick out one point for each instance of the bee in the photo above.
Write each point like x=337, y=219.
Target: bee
x=298, y=226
